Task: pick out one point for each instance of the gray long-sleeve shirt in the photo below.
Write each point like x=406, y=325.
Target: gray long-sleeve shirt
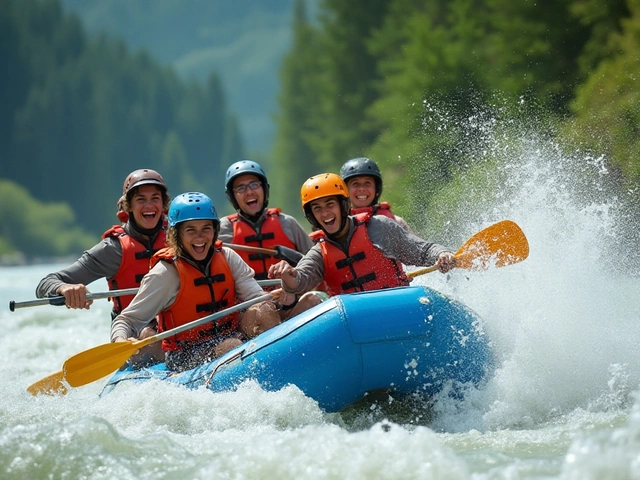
x=385, y=234
x=159, y=289
x=101, y=261
x=290, y=226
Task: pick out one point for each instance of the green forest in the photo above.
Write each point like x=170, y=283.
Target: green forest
x=362, y=78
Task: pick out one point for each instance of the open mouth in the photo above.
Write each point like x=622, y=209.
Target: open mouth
x=329, y=222
x=199, y=248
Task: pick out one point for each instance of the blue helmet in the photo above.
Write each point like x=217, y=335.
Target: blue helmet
x=245, y=167
x=362, y=166
x=192, y=206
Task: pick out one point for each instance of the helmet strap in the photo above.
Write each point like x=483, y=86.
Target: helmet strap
x=144, y=231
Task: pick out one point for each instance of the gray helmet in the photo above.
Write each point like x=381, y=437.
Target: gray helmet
x=245, y=167
x=362, y=166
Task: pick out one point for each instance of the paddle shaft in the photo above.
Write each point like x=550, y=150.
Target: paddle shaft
x=97, y=362
x=266, y=251
x=60, y=300
x=209, y=318
x=283, y=253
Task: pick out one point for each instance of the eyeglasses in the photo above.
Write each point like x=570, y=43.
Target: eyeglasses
x=240, y=189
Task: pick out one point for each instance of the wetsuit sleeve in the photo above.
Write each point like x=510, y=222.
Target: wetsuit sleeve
x=296, y=233
x=226, y=231
x=247, y=287
x=405, y=247
x=402, y=222
x=310, y=271
x=101, y=261
x=158, y=290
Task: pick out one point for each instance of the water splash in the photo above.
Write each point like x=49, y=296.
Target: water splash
x=563, y=322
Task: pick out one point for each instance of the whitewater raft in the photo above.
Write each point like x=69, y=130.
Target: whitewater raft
x=408, y=340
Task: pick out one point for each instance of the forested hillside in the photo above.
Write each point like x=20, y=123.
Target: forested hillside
x=242, y=41
x=416, y=85
x=419, y=85
x=79, y=113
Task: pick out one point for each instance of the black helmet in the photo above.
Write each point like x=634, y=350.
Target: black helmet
x=245, y=167
x=357, y=167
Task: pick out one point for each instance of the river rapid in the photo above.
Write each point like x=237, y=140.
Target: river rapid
x=563, y=403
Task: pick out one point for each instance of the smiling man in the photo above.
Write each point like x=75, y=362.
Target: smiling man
x=353, y=253
x=123, y=255
x=256, y=225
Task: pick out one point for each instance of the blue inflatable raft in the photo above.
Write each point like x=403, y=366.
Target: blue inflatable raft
x=408, y=340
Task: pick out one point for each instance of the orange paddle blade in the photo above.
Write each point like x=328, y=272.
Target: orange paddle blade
x=98, y=362
x=51, y=385
x=503, y=243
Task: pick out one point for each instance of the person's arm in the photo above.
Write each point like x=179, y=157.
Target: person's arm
x=226, y=230
x=296, y=233
x=158, y=290
x=304, y=277
x=402, y=222
x=101, y=261
x=405, y=247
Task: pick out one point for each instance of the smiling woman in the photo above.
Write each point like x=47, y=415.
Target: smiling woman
x=195, y=277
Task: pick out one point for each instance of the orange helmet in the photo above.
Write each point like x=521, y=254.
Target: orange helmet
x=323, y=185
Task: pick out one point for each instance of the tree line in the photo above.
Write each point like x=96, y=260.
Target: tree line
x=80, y=113
x=404, y=82
x=400, y=81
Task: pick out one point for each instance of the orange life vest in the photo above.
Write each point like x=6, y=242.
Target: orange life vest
x=269, y=234
x=134, y=263
x=364, y=267
x=382, y=208
x=199, y=295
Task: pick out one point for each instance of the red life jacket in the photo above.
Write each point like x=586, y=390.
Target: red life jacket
x=382, y=208
x=199, y=295
x=134, y=263
x=269, y=234
x=363, y=268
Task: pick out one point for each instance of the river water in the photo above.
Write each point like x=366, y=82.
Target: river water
x=563, y=403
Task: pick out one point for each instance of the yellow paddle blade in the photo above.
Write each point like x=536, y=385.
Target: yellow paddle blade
x=503, y=243
x=98, y=362
x=51, y=385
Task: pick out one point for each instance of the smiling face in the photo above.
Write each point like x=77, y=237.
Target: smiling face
x=147, y=206
x=326, y=211
x=362, y=191
x=196, y=237
x=249, y=201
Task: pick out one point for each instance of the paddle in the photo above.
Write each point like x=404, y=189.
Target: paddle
x=503, y=242
x=283, y=253
x=97, y=362
x=59, y=300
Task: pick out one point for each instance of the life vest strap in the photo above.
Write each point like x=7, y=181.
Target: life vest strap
x=258, y=256
x=358, y=282
x=347, y=262
x=258, y=237
x=209, y=280
x=211, y=306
